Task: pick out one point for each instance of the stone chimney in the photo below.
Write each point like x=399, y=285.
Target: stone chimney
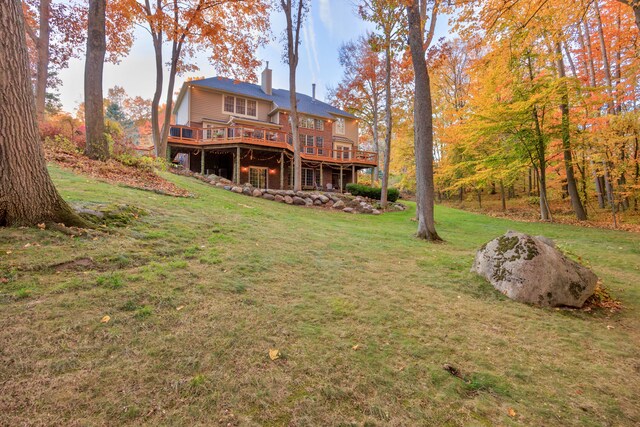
x=313, y=91
x=266, y=80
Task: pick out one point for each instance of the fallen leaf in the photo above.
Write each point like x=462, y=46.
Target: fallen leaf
x=180, y=307
x=4, y=280
x=9, y=252
x=355, y=347
x=274, y=354
x=609, y=327
x=512, y=413
x=42, y=226
x=27, y=245
x=105, y=319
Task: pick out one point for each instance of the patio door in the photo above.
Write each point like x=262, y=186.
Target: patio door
x=258, y=177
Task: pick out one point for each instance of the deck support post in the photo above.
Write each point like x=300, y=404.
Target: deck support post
x=341, y=178
x=169, y=159
x=238, y=165
x=321, y=176
x=292, y=174
x=281, y=169
x=353, y=174
x=373, y=171
x=202, y=162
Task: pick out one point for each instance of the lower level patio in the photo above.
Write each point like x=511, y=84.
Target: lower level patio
x=266, y=168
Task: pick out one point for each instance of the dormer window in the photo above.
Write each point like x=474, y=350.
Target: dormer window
x=240, y=106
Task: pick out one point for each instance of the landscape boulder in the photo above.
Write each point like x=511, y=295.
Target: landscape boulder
x=279, y=198
x=257, y=193
x=269, y=196
x=338, y=205
x=298, y=201
x=288, y=200
x=531, y=270
x=237, y=190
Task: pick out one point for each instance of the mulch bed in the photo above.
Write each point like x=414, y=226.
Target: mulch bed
x=114, y=172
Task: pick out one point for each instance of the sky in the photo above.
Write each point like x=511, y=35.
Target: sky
x=330, y=24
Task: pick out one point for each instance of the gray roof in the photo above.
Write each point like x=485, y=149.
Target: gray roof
x=280, y=97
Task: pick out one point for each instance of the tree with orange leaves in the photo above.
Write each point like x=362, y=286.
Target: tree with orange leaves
x=361, y=88
x=230, y=31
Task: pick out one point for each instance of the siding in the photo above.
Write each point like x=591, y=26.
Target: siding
x=182, y=115
x=351, y=130
x=208, y=104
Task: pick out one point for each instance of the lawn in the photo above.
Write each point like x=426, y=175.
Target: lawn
x=364, y=316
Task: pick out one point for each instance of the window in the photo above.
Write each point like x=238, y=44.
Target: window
x=309, y=145
x=319, y=124
x=252, y=108
x=320, y=145
x=308, y=122
x=342, y=151
x=229, y=102
x=241, y=106
x=258, y=177
x=307, y=177
x=340, y=126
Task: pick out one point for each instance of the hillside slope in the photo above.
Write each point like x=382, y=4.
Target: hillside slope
x=364, y=317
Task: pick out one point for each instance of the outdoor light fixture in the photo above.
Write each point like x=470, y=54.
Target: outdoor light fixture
x=272, y=171
x=244, y=169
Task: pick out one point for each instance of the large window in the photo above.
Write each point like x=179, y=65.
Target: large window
x=241, y=106
x=310, y=177
x=319, y=124
x=258, y=177
x=340, y=128
x=310, y=123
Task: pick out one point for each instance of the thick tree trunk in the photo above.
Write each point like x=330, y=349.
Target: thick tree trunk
x=27, y=194
x=389, y=129
x=572, y=188
x=423, y=128
x=97, y=145
x=42, y=73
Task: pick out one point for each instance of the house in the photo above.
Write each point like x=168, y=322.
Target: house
x=241, y=131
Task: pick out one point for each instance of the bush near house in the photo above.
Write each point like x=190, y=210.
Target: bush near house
x=372, y=192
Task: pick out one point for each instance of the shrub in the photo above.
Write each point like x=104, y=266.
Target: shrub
x=372, y=192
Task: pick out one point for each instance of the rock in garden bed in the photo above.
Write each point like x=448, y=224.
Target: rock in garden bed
x=531, y=270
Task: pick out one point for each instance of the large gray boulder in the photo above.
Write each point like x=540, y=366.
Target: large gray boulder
x=531, y=270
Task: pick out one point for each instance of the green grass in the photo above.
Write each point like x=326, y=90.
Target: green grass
x=199, y=290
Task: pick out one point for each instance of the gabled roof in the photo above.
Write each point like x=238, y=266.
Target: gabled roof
x=279, y=97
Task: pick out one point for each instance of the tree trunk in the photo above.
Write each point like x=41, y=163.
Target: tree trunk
x=157, y=94
x=27, y=194
x=572, y=188
x=293, y=41
x=42, y=47
x=503, y=198
x=389, y=125
x=376, y=145
x=423, y=128
x=97, y=145
x=161, y=149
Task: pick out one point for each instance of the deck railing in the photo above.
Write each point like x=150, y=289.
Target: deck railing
x=267, y=138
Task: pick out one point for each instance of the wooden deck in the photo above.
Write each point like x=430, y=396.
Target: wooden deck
x=212, y=137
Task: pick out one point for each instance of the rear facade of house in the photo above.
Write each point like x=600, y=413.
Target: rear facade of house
x=241, y=132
